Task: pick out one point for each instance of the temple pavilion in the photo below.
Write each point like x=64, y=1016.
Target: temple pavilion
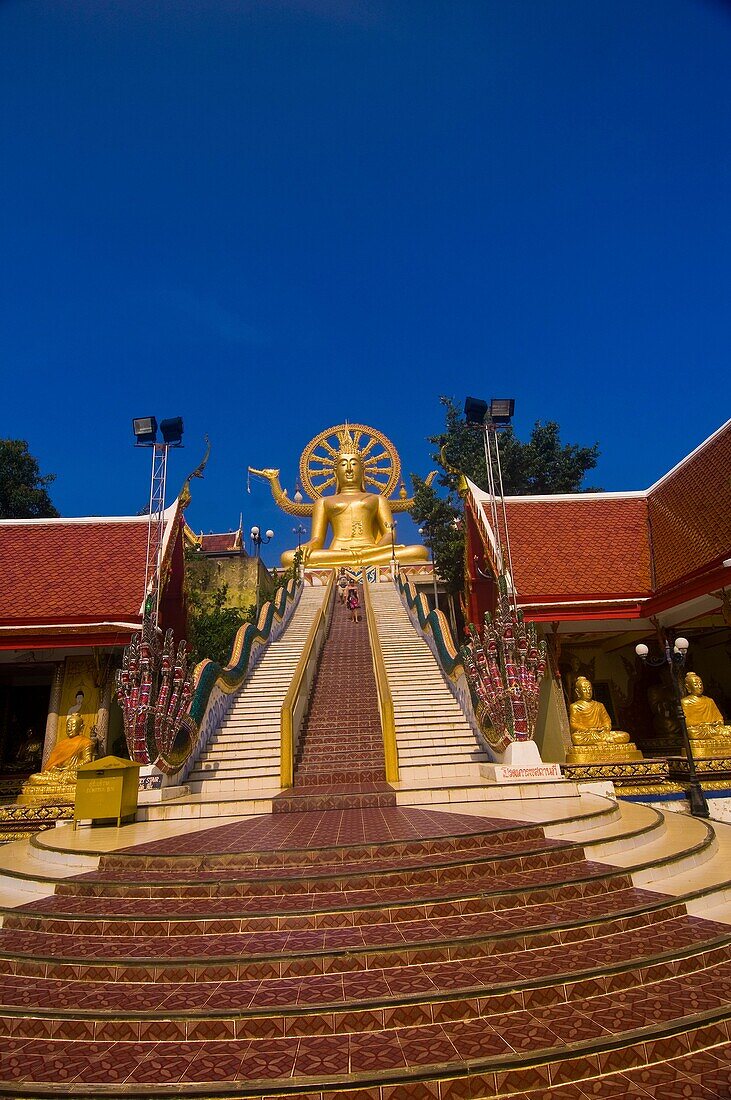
x=72, y=598
x=600, y=572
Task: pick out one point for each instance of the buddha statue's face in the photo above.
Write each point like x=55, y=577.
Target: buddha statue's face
x=74, y=725
x=582, y=689
x=693, y=684
x=349, y=471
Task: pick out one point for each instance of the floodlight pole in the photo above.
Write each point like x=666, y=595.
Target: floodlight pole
x=145, y=431
x=155, y=532
x=488, y=419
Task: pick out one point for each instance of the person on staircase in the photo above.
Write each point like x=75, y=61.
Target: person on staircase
x=352, y=602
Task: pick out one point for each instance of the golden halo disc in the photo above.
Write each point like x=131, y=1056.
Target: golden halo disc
x=381, y=463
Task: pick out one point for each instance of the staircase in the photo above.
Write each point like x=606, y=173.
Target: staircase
x=339, y=761
x=436, y=744
x=243, y=756
x=392, y=953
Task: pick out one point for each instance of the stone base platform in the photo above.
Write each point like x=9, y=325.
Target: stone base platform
x=650, y=777
x=714, y=772
x=604, y=754
x=20, y=822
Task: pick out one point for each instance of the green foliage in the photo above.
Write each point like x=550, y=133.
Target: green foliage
x=212, y=626
x=542, y=464
x=281, y=578
x=23, y=490
x=439, y=518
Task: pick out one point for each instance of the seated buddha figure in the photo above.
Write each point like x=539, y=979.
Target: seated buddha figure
x=57, y=781
x=28, y=754
x=708, y=734
x=592, y=736
x=362, y=524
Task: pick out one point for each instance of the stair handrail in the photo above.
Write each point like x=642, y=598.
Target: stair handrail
x=433, y=626
x=295, y=702
x=383, y=688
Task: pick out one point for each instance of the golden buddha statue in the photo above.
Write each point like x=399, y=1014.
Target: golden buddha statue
x=592, y=736
x=28, y=754
x=708, y=734
x=57, y=781
x=348, y=458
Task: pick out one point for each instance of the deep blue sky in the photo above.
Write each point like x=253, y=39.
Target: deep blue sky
x=268, y=216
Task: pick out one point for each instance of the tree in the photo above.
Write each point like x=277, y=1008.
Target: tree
x=23, y=490
x=542, y=464
x=212, y=626
x=439, y=518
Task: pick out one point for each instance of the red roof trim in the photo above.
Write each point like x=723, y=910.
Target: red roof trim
x=117, y=639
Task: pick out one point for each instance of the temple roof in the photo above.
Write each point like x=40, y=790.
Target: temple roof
x=83, y=574
x=580, y=548
x=229, y=543
x=642, y=547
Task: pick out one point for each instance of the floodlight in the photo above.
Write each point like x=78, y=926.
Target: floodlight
x=145, y=430
x=172, y=431
x=502, y=409
x=475, y=410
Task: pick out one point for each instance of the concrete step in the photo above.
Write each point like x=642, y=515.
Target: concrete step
x=218, y=770
x=229, y=787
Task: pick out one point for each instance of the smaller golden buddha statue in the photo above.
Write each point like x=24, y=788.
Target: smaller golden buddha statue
x=56, y=783
x=708, y=734
x=28, y=754
x=592, y=736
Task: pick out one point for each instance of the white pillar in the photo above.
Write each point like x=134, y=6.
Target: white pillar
x=54, y=704
x=102, y=718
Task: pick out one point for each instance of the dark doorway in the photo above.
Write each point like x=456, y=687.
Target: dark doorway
x=24, y=696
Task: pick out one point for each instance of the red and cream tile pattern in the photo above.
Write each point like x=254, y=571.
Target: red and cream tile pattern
x=378, y=954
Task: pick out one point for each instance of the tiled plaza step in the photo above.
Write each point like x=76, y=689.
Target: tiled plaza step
x=527, y=957
x=621, y=993
x=480, y=994
x=246, y=1068
x=499, y=1033
x=334, y=796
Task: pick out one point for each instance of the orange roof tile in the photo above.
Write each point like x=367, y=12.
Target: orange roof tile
x=72, y=571
x=584, y=548
x=690, y=512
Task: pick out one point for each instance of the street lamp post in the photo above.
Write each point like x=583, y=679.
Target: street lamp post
x=674, y=660
x=256, y=540
x=299, y=531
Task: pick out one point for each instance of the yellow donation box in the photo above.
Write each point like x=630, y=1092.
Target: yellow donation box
x=107, y=788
